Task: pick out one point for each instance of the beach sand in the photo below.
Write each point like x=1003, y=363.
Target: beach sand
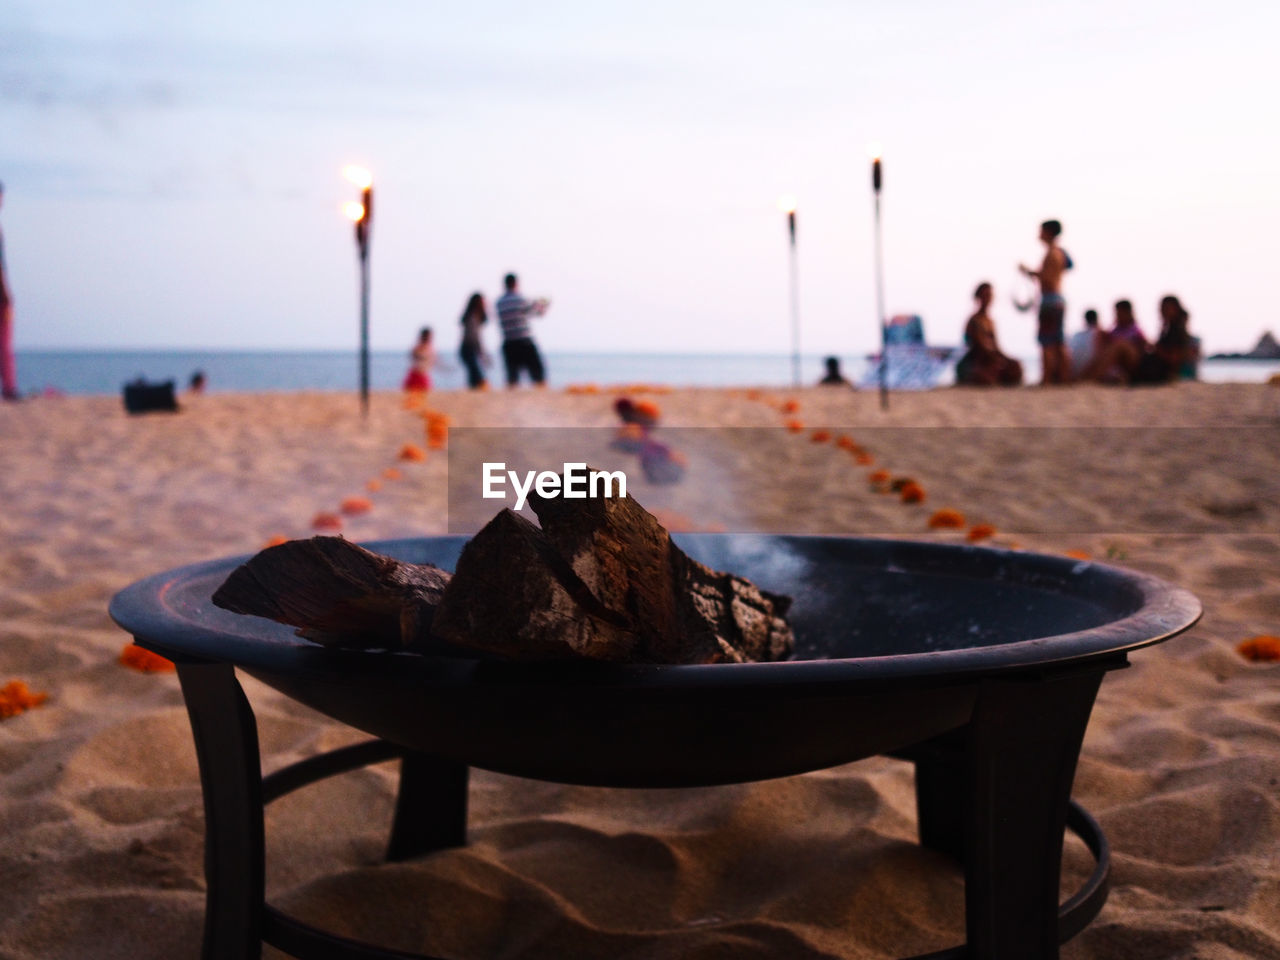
x=100, y=816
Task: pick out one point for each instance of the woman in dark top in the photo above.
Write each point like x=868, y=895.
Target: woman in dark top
x=472, y=350
x=1173, y=349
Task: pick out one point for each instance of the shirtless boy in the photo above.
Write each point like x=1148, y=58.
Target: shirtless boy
x=1053, y=351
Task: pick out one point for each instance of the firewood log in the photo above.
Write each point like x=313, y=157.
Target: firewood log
x=338, y=593
x=601, y=579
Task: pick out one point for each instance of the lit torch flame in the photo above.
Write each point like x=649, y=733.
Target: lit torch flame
x=787, y=203
x=358, y=175
x=354, y=211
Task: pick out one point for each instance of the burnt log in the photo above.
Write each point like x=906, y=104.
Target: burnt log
x=514, y=596
x=338, y=593
x=600, y=579
x=684, y=611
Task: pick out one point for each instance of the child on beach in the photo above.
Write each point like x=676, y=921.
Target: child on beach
x=423, y=357
x=1053, y=307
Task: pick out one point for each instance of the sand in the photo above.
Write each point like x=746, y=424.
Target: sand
x=100, y=817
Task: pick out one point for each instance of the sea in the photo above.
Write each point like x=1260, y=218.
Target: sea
x=107, y=371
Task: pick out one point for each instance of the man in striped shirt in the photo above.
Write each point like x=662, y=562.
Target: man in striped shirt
x=519, y=352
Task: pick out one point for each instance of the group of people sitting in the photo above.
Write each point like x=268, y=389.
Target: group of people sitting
x=1120, y=355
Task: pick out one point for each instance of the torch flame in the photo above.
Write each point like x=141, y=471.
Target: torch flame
x=358, y=175
x=875, y=150
x=353, y=211
x=787, y=203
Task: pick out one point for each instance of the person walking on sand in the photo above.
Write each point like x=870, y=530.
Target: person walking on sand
x=519, y=352
x=472, y=349
x=1053, y=307
x=8, y=370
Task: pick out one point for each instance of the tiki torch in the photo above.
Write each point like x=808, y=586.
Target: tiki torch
x=876, y=181
x=361, y=213
x=787, y=204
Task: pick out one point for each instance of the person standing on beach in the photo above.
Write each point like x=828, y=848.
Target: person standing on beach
x=519, y=352
x=1053, y=307
x=472, y=349
x=8, y=370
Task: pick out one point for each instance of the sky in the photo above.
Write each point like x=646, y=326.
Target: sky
x=173, y=176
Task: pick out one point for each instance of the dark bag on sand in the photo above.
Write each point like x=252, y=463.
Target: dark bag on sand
x=143, y=397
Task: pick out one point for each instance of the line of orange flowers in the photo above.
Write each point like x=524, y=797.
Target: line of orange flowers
x=436, y=437
x=1264, y=648
x=908, y=489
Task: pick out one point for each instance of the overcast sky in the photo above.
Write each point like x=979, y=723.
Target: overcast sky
x=172, y=170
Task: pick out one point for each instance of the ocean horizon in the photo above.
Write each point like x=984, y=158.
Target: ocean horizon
x=103, y=371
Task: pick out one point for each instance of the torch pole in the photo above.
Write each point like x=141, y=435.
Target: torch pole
x=884, y=336
x=362, y=241
x=364, y=333
x=795, y=303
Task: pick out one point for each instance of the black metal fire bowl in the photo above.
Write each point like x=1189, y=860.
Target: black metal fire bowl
x=978, y=665
x=893, y=640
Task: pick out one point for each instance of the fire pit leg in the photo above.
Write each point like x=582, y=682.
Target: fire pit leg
x=940, y=782
x=226, y=739
x=431, y=808
x=1023, y=743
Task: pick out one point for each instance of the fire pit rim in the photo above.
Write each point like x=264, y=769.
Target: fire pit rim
x=1161, y=610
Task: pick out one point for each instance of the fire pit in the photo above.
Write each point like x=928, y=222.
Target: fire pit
x=978, y=665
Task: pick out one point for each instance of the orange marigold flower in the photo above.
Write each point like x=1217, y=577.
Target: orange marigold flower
x=326, y=521
x=391, y=473
x=16, y=697
x=789, y=406
x=912, y=492
x=980, y=531
x=795, y=426
x=374, y=485
x=1077, y=555
x=437, y=429
x=275, y=541
x=845, y=442
x=140, y=658
x=1259, y=649
x=901, y=483
x=879, y=476
x=947, y=518
x=863, y=458
x=413, y=453
x=352, y=506
x=820, y=436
